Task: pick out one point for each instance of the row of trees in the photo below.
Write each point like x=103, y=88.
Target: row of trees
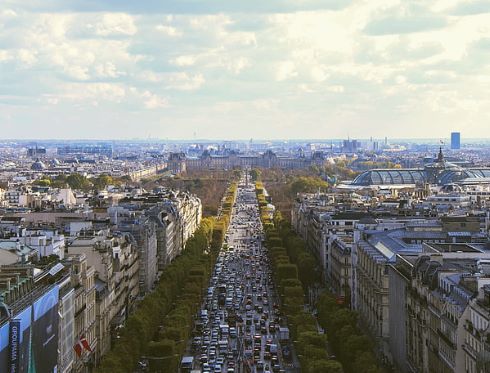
x=162, y=323
x=294, y=271
x=291, y=261
x=352, y=347
x=80, y=182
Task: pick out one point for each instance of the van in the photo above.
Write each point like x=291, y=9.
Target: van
x=224, y=329
x=223, y=347
x=204, y=315
x=186, y=363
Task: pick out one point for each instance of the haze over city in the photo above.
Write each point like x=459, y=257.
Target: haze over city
x=280, y=69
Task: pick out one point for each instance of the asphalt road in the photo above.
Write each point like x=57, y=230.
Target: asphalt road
x=237, y=328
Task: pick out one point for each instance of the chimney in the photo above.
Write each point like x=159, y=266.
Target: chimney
x=437, y=257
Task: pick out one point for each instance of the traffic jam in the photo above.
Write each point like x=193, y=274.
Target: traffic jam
x=239, y=327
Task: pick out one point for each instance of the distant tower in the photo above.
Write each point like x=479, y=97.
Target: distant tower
x=455, y=141
x=440, y=156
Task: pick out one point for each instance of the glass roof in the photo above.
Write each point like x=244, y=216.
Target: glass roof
x=414, y=176
x=390, y=177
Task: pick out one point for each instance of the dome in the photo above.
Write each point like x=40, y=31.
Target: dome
x=449, y=188
x=38, y=166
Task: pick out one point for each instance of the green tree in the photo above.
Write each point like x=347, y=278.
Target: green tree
x=307, y=184
x=101, y=182
x=256, y=174
x=44, y=182
x=59, y=182
x=326, y=366
x=365, y=362
x=308, y=269
x=79, y=182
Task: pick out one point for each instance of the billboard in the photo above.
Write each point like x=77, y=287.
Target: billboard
x=20, y=340
x=4, y=347
x=45, y=333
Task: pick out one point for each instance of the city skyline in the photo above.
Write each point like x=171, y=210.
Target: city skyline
x=311, y=69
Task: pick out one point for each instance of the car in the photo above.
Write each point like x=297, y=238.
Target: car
x=217, y=368
x=196, y=342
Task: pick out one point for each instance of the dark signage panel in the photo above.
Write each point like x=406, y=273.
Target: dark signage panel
x=45, y=333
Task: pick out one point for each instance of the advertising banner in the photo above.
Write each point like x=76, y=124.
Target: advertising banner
x=4, y=347
x=20, y=340
x=45, y=333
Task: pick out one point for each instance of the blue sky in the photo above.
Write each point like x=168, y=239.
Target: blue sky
x=240, y=69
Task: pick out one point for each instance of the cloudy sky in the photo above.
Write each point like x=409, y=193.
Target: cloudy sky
x=244, y=68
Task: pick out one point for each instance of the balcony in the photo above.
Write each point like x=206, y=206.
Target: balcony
x=446, y=339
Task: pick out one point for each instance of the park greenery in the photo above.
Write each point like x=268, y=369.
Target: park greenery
x=368, y=165
x=296, y=270
x=284, y=185
x=209, y=186
x=162, y=323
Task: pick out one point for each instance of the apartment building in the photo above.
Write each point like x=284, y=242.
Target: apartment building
x=438, y=297
x=116, y=265
x=83, y=282
x=160, y=224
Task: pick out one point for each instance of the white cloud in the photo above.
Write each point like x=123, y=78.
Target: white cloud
x=26, y=57
x=185, y=82
x=169, y=30
x=108, y=70
x=5, y=55
x=336, y=88
x=174, y=81
x=115, y=24
x=318, y=73
x=286, y=70
x=7, y=14
x=370, y=62
x=184, y=61
x=152, y=101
